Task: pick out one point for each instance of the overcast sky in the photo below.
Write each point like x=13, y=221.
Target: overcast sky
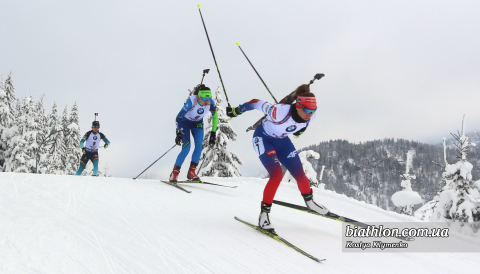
x=402, y=69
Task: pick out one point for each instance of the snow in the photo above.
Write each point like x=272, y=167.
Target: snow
x=307, y=167
x=406, y=198
x=72, y=224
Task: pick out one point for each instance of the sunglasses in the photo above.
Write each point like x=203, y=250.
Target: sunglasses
x=309, y=111
x=205, y=99
x=96, y=127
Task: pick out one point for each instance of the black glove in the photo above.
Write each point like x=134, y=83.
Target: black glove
x=233, y=112
x=213, y=138
x=179, y=138
x=300, y=132
x=83, y=150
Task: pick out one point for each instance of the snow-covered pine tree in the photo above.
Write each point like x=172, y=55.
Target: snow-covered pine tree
x=307, y=167
x=406, y=199
x=42, y=133
x=459, y=200
x=73, y=152
x=22, y=158
x=7, y=118
x=56, y=143
x=218, y=161
x=3, y=126
x=64, y=125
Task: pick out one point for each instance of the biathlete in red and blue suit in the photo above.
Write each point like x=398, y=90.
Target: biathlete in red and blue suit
x=272, y=145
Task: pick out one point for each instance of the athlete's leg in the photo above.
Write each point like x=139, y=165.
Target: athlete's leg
x=198, y=139
x=80, y=169
x=288, y=156
x=185, y=128
x=83, y=163
x=266, y=152
x=95, y=164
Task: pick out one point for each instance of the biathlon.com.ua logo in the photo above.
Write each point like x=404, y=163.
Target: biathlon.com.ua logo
x=381, y=231
x=407, y=237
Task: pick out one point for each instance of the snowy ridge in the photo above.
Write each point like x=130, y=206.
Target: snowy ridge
x=70, y=224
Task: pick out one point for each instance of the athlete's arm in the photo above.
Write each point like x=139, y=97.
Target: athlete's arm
x=188, y=105
x=213, y=110
x=84, y=138
x=107, y=142
x=214, y=121
x=272, y=112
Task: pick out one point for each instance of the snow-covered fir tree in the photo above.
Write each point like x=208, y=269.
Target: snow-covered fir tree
x=42, y=133
x=56, y=143
x=72, y=142
x=3, y=126
x=7, y=118
x=64, y=125
x=24, y=142
x=25, y=145
x=218, y=161
x=458, y=202
x=307, y=167
x=406, y=199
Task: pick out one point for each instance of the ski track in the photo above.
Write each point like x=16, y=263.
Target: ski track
x=69, y=224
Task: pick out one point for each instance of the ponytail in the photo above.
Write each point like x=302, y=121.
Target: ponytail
x=302, y=90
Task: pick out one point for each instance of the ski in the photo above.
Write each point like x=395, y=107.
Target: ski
x=175, y=185
x=274, y=235
x=202, y=182
x=332, y=216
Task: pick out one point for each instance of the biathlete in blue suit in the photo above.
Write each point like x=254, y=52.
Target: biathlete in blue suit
x=190, y=119
x=272, y=145
x=90, y=150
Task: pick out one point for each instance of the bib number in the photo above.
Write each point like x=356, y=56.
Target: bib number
x=258, y=145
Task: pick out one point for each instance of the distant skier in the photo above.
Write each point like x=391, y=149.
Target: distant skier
x=273, y=147
x=90, y=151
x=190, y=118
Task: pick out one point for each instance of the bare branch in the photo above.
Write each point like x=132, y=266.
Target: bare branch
x=457, y=146
x=438, y=164
x=456, y=137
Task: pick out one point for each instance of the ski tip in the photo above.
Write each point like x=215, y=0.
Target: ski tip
x=198, y=6
x=238, y=43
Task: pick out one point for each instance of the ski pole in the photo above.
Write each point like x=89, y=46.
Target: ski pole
x=276, y=102
x=154, y=162
x=238, y=44
x=214, y=59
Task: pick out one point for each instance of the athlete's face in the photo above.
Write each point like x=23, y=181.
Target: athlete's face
x=202, y=102
x=305, y=116
x=95, y=129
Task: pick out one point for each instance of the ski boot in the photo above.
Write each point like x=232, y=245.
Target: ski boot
x=191, y=173
x=174, y=174
x=264, y=219
x=312, y=205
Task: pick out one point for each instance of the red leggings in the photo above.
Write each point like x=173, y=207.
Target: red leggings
x=272, y=152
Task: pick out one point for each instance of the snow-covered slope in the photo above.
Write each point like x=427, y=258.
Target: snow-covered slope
x=68, y=224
